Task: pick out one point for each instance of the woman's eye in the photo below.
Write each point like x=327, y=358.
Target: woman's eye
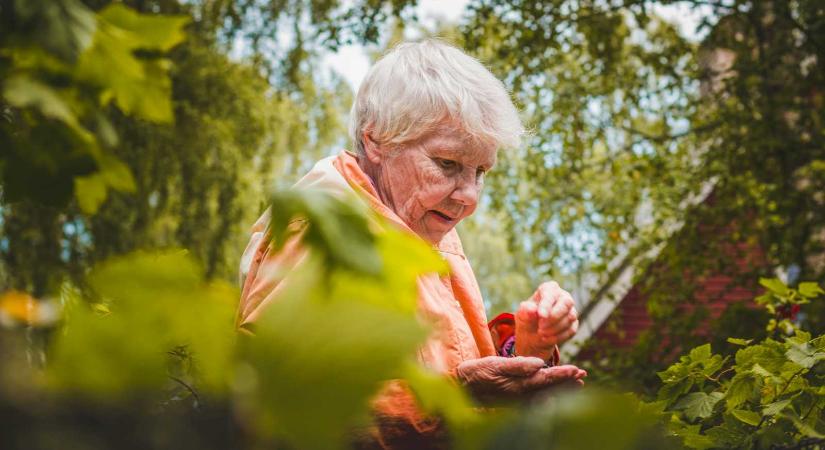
x=446, y=163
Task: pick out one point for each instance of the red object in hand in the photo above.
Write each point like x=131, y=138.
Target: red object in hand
x=501, y=328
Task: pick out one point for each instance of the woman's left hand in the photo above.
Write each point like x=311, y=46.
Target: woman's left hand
x=545, y=320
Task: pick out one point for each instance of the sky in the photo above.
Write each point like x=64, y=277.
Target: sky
x=352, y=61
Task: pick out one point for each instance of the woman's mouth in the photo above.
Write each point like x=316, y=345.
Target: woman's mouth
x=441, y=216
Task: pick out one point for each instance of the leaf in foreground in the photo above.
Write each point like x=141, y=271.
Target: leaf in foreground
x=160, y=298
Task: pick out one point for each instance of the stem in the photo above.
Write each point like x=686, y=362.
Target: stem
x=810, y=410
x=719, y=375
x=789, y=382
x=188, y=388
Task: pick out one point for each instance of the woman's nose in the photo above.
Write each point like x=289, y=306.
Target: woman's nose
x=466, y=191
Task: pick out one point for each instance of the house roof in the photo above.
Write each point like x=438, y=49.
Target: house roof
x=608, y=291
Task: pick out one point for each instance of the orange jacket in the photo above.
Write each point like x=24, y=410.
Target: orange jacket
x=452, y=305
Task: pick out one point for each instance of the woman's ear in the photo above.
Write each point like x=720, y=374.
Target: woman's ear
x=371, y=149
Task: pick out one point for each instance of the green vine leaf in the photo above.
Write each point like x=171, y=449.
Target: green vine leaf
x=748, y=417
x=776, y=407
x=699, y=405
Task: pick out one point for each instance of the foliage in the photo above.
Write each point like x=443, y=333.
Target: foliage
x=150, y=337
x=60, y=79
x=198, y=181
x=634, y=124
x=768, y=395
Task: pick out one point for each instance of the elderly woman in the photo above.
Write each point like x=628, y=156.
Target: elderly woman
x=426, y=125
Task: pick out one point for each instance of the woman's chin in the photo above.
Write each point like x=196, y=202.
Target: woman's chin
x=434, y=227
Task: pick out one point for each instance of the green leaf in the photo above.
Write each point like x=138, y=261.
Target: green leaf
x=139, y=86
x=810, y=289
x=691, y=435
x=725, y=436
x=776, y=407
x=761, y=371
x=64, y=27
x=769, y=355
x=90, y=192
x=774, y=285
x=337, y=229
x=437, y=395
x=804, y=355
x=698, y=405
x=804, y=428
x=155, y=32
x=329, y=357
x=748, y=417
x=701, y=353
x=22, y=92
x=742, y=387
x=116, y=174
x=163, y=297
x=741, y=342
x=566, y=420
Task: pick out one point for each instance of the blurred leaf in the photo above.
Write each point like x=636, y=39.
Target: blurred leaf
x=116, y=174
x=22, y=91
x=90, y=192
x=155, y=32
x=347, y=318
x=329, y=356
x=337, y=229
x=567, y=420
x=810, y=289
x=774, y=285
x=468, y=426
x=163, y=298
x=740, y=342
x=64, y=27
x=139, y=86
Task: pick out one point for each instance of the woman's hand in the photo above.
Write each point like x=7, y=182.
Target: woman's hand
x=500, y=378
x=545, y=320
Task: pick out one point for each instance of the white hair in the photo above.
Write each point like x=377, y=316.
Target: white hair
x=417, y=86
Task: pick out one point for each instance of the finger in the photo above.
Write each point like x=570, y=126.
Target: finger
x=549, y=338
x=564, y=303
x=546, y=296
x=520, y=366
x=551, y=376
x=561, y=325
x=546, y=290
x=564, y=335
x=527, y=317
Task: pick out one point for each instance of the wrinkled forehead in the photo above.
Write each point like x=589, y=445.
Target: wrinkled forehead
x=454, y=143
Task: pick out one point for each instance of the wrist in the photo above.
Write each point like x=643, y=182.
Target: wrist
x=550, y=356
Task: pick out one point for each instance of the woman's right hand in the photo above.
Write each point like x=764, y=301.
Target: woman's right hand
x=497, y=378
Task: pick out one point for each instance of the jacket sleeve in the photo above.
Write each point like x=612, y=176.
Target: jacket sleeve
x=264, y=272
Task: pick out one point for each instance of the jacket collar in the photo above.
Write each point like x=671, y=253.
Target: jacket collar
x=346, y=165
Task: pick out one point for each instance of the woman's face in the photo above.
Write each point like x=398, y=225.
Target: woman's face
x=434, y=182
